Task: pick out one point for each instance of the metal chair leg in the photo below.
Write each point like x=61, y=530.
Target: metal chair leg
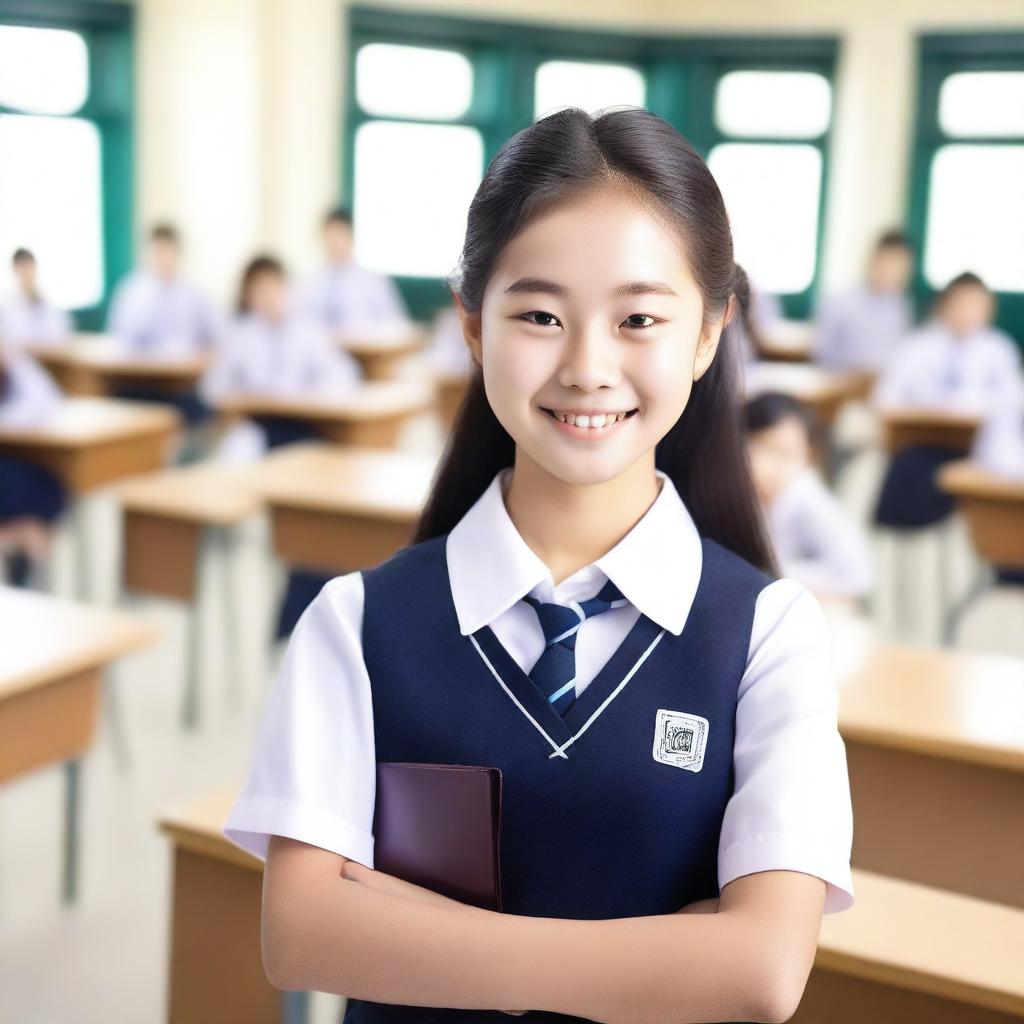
x=72, y=807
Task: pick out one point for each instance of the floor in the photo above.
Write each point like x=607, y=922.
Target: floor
x=105, y=959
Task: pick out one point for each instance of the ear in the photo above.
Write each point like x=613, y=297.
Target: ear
x=472, y=330
x=710, y=335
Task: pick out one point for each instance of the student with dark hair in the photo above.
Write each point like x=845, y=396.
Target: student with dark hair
x=815, y=540
x=860, y=329
x=269, y=349
x=26, y=318
x=587, y=604
x=957, y=362
x=32, y=499
x=350, y=299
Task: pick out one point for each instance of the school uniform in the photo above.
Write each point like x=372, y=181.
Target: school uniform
x=934, y=369
x=350, y=296
x=26, y=322
x=860, y=329
x=700, y=745
x=28, y=397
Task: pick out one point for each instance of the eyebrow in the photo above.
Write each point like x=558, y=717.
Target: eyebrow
x=540, y=284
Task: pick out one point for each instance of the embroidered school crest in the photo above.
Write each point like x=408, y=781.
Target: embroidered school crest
x=680, y=739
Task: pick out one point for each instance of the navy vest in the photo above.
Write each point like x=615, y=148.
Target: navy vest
x=594, y=824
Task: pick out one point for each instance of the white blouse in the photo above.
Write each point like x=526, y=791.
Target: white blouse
x=860, y=329
x=23, y=322
x=312, y=772
x=349, y=295
x=31, y=396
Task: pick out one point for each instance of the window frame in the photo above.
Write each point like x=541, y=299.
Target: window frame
x=108, y=31
x=939, y=56
x=506, y=54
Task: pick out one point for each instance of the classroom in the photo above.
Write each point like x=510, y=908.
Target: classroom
x=328, y=419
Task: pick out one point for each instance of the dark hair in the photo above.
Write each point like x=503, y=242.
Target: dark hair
x=338, y=215
x=770, y=408
x=22, y=256
x=164, y=232
x=894, y=238
x=556, y=160
x=965, y=280
x=260, y=264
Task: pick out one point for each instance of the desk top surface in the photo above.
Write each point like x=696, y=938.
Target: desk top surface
x=81, y=422
x=212, y=493
x=968, y=479
x=47, y=638
x=370, y=400
x=803, y=380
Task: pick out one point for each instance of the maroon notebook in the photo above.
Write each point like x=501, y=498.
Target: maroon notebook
x=439, y=825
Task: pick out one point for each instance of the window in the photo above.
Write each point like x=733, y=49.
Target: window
x=414, y=175
x=432, y=98
x=564, y=83
x=65, y=147
x=773, y=188
x=968, y=204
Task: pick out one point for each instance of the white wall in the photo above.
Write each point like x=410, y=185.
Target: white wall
x=240, y=107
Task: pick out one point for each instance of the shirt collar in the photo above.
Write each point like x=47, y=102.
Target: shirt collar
x=657, y=565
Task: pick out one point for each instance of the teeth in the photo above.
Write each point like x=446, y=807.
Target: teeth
x=591, y=422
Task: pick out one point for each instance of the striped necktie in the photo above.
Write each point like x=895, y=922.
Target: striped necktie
x=555, y=670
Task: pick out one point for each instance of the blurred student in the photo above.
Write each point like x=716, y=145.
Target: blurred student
x=860, y=329
x=26, y=318
x=815, y=541
x=957, y=362
x=31, y=498
x=156, y=312
x=269, y=349
x=999, y=443
x=350, y=299
x=447, y=351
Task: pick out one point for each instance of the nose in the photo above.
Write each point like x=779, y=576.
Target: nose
x=590, y=360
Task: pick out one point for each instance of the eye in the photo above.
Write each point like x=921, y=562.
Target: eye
x=538, y=312
x=641, y=327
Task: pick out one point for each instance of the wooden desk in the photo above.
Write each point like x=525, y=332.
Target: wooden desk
x=177, y=525
x=96, y=364
x=91, y=442
x=905, y=952
x=372, y=415
x=216, y=968
x=337, y=510
x=824, y=391
x=51, y=662
x=935, y=748
x=787, y=341
x=905, y=427
x=381, y=356
x=451, y=390
x=993, y=507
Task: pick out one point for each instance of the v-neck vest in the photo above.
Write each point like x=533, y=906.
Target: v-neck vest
x=595, y=823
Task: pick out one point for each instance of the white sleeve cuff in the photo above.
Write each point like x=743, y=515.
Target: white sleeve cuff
x=253, y=820
x=772, y=851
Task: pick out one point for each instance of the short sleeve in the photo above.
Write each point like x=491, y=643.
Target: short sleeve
x=790, y=808
x=312, y=770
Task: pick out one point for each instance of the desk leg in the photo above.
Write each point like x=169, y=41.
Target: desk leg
x=72, y=806
x=80, y=533
x=227, y=550
x=294, y=1007
x=983, y=582
x=206, y=558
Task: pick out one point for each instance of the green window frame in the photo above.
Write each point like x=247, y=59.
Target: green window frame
x=939, y=56
x=680, y=74
x=108, y=30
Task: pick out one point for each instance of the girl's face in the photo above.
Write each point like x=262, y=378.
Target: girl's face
x=591, y=316
x=778, y=455
x=967, y=309
x=268, y=296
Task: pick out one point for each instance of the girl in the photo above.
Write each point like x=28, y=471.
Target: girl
x=958, y=362
x=586, y=605
x=26, y=318
x=271, y=351
x=814, y=539
x=31, y=498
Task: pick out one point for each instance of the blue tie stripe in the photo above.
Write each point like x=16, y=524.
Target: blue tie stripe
x=560, y=624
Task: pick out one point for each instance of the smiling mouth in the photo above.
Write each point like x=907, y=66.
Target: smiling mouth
x=593, y=422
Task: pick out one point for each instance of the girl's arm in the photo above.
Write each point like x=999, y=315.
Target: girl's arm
x=750, y=961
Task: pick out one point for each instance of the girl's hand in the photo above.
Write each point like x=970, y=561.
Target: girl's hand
x=392, y=886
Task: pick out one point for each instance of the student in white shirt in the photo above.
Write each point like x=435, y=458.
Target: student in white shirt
x=815, y=541
x=26, y=318
x=353, y=301
x=676, y=809
x=447, y=352
x=859, y=329
x=271, y=350
x=31, y=497
x=957, y=362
